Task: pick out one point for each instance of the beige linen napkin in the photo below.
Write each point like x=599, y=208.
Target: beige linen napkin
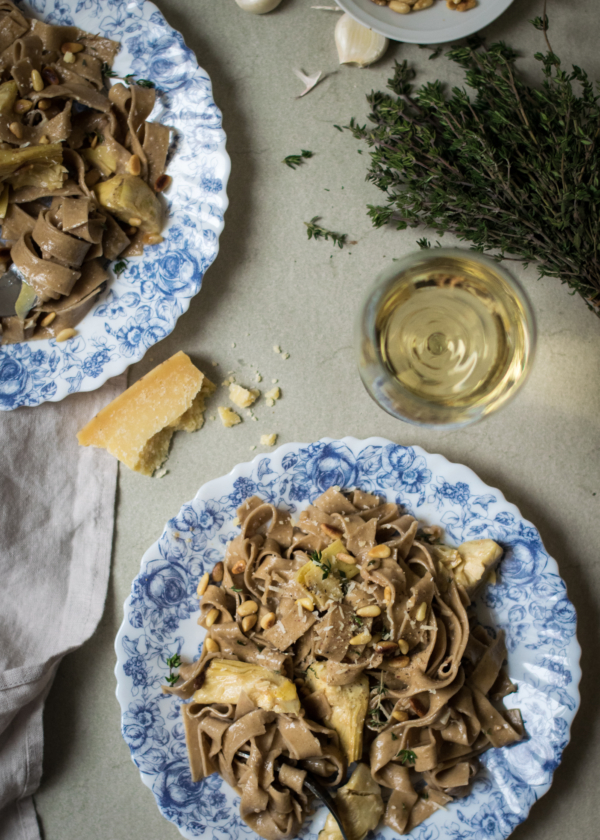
x=56, y=524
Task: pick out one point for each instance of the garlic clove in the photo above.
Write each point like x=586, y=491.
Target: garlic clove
x=258, y=7
x=356, y=44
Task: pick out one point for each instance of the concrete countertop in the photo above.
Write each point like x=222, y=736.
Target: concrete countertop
x=270, y=285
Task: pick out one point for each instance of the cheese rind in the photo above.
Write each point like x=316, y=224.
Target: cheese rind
x=138, y=425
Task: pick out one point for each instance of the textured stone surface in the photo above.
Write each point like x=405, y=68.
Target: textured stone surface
x=270, y=286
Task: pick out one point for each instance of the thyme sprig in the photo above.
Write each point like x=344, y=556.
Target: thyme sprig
x=119, y=267
x=316, y=557
x=512, y=169
x=293, y=161
x=407, y=757
x=173, y=662
x=316, y=231
x=129, y=79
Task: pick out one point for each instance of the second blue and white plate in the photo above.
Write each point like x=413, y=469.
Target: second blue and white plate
x=529, y=602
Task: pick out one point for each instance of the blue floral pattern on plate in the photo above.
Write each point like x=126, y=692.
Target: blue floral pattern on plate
x=142, y=305
x=529, y=601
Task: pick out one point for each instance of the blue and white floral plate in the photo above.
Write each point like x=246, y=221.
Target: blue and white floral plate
x=142, y=305
x=529, y=601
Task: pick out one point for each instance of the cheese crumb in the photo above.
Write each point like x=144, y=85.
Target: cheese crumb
x=228, y=417
x=270, y=403
x=242, y=397
x=285, y=355
x=233, y=343
x=274, y=381
x=268, y=440
x=258, y=377
x=235, y=521
x=252, y=448
x=276, y=348
x=273, y=394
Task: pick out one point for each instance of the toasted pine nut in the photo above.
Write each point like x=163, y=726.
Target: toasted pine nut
x=268, y=620
x=238, y=568
x=21, y=106
x=50, y=76
x=69, y=58
x=387, y=594
x=248, y=622
x=330, y=531
x=37, y=82
x=152, y=239
x=44, y=104
x=398, y=6
x=16, y=129
x=163, y=182
x=380, y=551
x=44, y=140
x=346, y=558
x=385, y=647
x=135, y=221
x=247, y=608
x=72, y=47
x=400, y=662
x=421, y=612
x=65, y=335
x=416, y=707
x=217, y=572
x=369, y=612
x=306, y=604
x=134, y=165
x=45, y=322
x=211, y=617
x=202, y=585
x=400, y=715
x=403, y=645
x=212, y=646
x=361, y=639
x=422, y=4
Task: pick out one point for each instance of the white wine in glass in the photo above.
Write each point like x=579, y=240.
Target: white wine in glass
x=445, y=337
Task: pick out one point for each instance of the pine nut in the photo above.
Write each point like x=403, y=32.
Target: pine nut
x=134, y=165
x=248, y=622
x=400, y=662
x=387, y=595
x=22, y=106
x=306, y=604
x=422, y=4
x=202, y=585
x=37, y=82
x=416, y=707
x=247, y=608
x=369, y=612
x=44, y=140
x=403, y=645
x=386, y=647
x=330, y=531
x=72, y=47
x=69, y=58
x=211, y=617
x=45, y=322
x=163, y=182
x=152, y=239
x=44, y=104
x=380, y=551
x=268, y=620
x=397, y=6
x=217, y=572
x=400, y=715
x=65, y=335
x=421, y=612
x=50, y=76
x=346, y=558
x=16, y=129
x=212, y=646
x=238, y=568
x=135, y=221
x=361, y=639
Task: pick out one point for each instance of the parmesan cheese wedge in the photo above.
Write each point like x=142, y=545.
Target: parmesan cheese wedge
x=138, y=425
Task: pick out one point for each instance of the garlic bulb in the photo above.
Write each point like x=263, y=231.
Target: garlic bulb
x=356, y=44
x=258, y=7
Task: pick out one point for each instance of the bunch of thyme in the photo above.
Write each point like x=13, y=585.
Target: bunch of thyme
x=513, y=169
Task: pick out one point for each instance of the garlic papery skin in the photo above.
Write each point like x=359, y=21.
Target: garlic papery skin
x=356, y=44
x=258, y=7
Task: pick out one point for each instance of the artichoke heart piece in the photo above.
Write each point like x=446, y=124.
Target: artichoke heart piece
x=128, y=197
x=46, y=156
x=4, y=201
x=226, y=678
x=26, y=301
x=478, y=558
x=349, y=704
x=39, y=175
x=101, y=158
x=360, y=807
x=8, y=96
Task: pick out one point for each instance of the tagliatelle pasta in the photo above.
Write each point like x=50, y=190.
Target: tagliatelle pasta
x=80, y=169
x=346, y=636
